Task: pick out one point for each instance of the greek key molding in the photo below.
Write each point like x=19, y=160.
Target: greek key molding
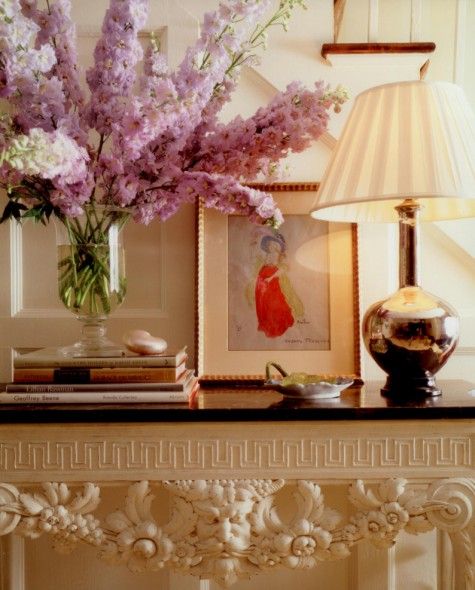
x=291, y=454
x=227, y=530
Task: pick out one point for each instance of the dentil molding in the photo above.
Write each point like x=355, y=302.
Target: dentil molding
x=230, y=529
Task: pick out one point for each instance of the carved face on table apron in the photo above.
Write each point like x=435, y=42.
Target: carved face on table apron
x=225, y=528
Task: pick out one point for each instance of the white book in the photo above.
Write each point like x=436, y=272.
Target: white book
x=50, y=357
x=101, y=397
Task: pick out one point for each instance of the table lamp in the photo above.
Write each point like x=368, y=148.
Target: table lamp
x=406, y=153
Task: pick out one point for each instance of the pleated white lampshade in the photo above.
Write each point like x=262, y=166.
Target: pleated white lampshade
x=407, y=140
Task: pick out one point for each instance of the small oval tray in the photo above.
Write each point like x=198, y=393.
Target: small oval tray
x=305, y=386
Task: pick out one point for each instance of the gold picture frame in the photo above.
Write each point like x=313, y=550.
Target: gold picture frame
x=215, y=309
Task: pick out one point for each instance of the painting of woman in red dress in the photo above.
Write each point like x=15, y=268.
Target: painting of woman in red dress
x=277, y=304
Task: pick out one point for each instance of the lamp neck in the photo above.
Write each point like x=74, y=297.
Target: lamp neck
x=408, y=213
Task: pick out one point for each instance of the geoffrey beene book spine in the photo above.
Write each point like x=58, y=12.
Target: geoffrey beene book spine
x=97, y=375
x=46, y=358
x=122, y=397
x=183, y=383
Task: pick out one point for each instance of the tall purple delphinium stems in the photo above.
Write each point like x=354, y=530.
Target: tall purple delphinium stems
x=153, y=138
x=66, y=100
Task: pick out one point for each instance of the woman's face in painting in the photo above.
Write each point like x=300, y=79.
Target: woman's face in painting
x=275, y=252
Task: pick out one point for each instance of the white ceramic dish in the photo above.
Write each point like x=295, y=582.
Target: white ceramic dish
x=304, y=386
x=315, y=390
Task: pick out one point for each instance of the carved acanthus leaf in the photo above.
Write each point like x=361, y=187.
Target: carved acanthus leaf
x=385, y=512
x=10, y=511
x=231, y=529
x=134, y=537
x=53, y=511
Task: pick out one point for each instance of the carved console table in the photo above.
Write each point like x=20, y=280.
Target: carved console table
x=408, y=467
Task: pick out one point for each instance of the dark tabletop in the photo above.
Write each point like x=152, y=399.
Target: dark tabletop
x=227, y=403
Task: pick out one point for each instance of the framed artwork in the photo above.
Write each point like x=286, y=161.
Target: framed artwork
x=288, y=295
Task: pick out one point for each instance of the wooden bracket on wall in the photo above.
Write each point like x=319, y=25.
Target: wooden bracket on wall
x=353, y=48
x=375, y=48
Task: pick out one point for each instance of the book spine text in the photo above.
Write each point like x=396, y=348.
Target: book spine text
x=25, y=362
x=97, y=375
x=94, y=398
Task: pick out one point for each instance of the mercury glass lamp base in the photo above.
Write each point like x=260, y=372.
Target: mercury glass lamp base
x=411, y=335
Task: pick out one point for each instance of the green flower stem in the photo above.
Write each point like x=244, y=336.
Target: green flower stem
x=104, y=294
x=89, y=279
x=84, y=269
x=72, y=265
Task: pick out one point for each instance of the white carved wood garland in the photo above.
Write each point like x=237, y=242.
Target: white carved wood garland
x=230, y=529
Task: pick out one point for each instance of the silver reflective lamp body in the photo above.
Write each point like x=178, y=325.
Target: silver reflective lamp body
x=407, y=153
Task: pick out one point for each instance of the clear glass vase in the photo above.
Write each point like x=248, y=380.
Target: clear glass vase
x=91, y=274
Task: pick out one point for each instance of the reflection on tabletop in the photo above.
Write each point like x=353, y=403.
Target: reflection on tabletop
x=364, y=396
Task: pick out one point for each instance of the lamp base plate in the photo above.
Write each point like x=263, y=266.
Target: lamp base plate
x=410, y=389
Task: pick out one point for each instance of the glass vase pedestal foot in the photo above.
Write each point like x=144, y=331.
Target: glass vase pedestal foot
x=94, y=342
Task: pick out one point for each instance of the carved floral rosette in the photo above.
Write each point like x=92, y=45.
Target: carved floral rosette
x=230, y=529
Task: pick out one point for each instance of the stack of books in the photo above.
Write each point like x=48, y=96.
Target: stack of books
x=43, y=376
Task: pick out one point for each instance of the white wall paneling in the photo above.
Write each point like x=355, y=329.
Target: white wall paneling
x=369, y=577
x=416, y=20
x=12, y=567
x=445, y=573
x=373, y=21
x=460, y=42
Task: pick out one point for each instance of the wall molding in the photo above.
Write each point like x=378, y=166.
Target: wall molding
x=460, y=42
x=465, y=351
x=39, y=313
x=16, y=265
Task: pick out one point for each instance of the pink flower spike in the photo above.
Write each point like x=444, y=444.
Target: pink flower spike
x=140, y=135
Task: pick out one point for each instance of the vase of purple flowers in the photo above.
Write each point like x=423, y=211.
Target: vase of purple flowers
x=141, y=137
x=91, y=274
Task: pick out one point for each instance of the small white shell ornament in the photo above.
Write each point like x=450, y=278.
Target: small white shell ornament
x=143, y=342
